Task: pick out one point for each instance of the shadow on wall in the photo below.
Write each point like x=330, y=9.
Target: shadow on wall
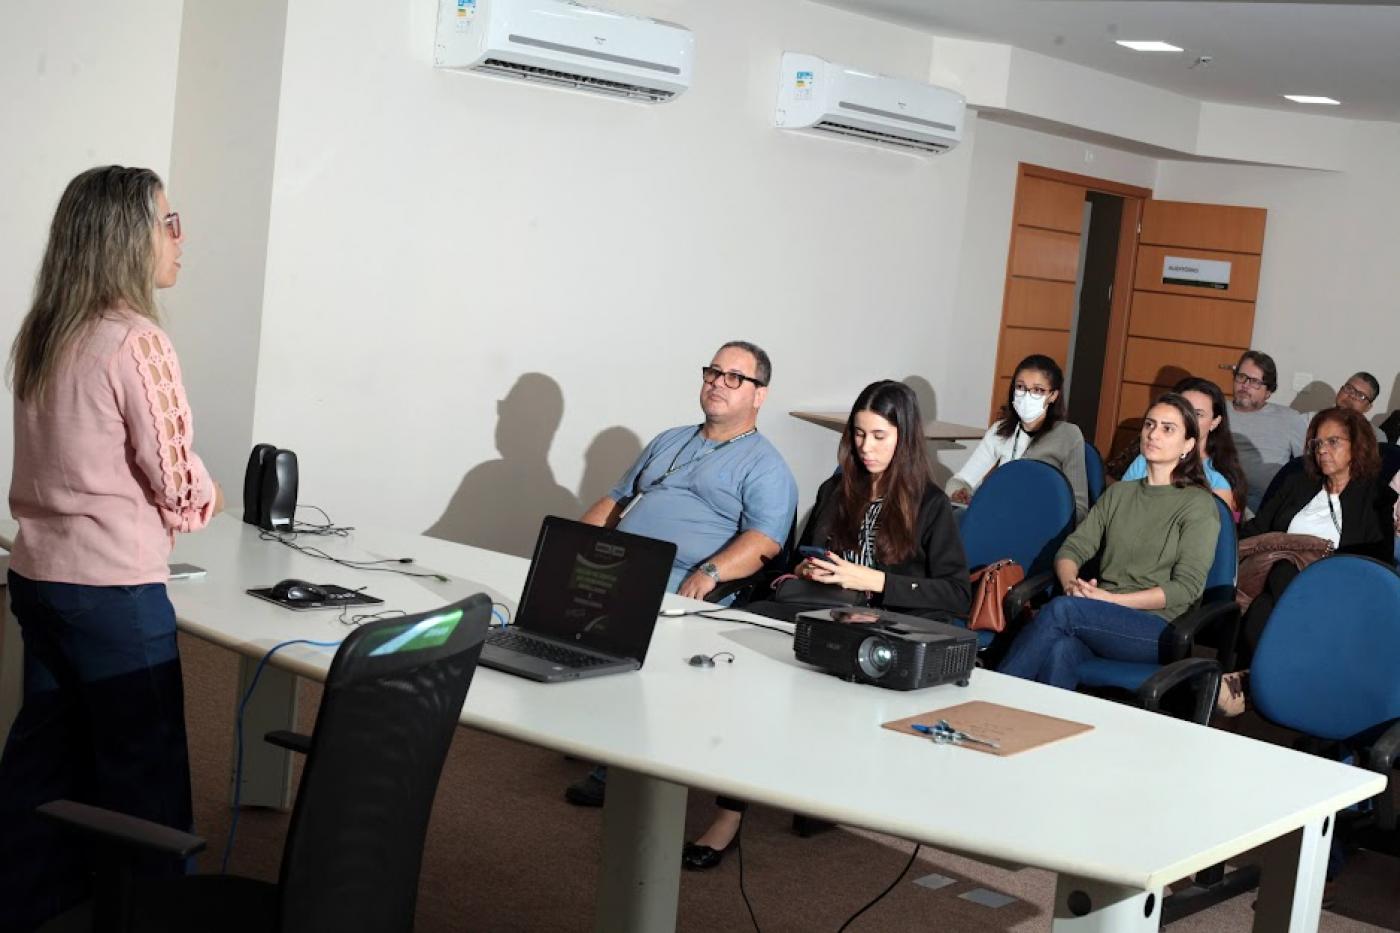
x=609, y=456
x=928, y=407
x=500, y=503
x=1316, y=395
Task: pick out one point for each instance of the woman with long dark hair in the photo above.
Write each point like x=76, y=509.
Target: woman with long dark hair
x=1156, y=541
x=1031, y=424
x=104, y=476
x=1219, y=459
x=888, y=538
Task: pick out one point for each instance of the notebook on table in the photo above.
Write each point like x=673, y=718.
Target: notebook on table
x=589, y=605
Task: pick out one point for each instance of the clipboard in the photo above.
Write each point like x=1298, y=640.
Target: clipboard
x=1015, y=730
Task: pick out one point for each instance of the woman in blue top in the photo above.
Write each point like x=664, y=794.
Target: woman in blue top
x=1217, y=445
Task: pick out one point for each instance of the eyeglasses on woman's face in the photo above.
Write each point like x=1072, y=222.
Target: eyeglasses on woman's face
x=1334, y=443
x=1021, y=390
x=731, y=379
x=171, y=222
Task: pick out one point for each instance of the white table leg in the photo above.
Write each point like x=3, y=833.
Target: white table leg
x=11, y=668
x=1292, y=870
x=1083, y=906
x=267, y=769
x=643, y=830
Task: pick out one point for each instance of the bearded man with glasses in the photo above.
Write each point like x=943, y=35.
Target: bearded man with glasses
x=719, y=490
x=1266, y=435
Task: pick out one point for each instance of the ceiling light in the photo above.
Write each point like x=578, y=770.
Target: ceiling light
x=1148, y=46
x=1306, y=99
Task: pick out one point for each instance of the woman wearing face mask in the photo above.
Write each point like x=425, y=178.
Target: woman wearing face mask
x=888, y=534
x=1219, y=458
x=1031, y=424
x=1155, y=538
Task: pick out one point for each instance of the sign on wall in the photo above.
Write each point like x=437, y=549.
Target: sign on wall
x=1198, y=273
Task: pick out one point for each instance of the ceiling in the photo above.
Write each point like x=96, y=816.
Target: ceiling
x=1258, y=50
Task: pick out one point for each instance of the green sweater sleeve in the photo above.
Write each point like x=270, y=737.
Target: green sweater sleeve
x=1084, y=542
x=1200, y=530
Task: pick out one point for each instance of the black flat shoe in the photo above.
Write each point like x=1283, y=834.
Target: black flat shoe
x=587, y=791
x=700, y=858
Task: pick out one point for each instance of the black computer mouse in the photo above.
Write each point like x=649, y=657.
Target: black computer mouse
x=298, y=591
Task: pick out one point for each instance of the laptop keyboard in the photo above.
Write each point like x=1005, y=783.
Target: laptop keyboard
x=544, y=650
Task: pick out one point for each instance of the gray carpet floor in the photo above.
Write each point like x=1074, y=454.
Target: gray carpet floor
x=506, y=853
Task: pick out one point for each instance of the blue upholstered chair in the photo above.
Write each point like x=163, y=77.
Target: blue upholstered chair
x=1093, y=472
x=1328, y=663
x=1188, y=684
x=1328, y=667
x=1023, y=511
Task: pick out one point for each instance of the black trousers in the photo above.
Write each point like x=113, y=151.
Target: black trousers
x=1256, y=617
x=102, y=722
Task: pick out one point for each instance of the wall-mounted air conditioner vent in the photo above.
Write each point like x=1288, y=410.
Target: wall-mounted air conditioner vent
x=818, y=96
x=565, y=44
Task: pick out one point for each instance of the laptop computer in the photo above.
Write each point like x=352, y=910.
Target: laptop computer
x=589, y=606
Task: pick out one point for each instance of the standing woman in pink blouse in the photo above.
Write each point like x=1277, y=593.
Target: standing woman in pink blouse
x=105, y=474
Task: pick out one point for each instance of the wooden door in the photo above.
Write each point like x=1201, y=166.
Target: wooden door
x=1042, y=269
x=1192, y=310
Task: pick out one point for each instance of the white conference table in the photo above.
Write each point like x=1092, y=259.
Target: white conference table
x=1118, y=812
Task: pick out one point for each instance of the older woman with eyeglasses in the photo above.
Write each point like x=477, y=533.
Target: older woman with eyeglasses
x=1340, y=498
x=1030, y=425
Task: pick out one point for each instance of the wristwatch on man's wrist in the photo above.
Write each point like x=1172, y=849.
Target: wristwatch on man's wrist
x=709, y=569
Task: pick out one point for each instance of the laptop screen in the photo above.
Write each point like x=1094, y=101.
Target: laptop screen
x=596, y=587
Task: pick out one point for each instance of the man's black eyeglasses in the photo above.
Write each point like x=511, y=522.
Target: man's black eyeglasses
x=732, y=380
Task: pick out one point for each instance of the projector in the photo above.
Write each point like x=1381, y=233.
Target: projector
x=887, y=649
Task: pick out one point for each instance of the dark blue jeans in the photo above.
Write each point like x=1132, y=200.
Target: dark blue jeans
x=1073, y=629
x=103, y=722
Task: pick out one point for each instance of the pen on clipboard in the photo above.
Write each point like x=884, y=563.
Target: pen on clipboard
x=943, y=733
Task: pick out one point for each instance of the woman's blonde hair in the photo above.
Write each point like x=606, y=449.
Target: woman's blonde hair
x=101, y=254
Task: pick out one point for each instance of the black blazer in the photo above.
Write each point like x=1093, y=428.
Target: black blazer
x=1368, y=523
x=933, y=581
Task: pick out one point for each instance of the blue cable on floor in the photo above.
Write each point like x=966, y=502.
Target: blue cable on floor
x=238, y=737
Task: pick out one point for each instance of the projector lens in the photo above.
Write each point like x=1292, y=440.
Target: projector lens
x=875, y=657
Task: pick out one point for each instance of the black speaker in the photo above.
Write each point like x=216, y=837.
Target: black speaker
x=252, y=483
x=279, y=491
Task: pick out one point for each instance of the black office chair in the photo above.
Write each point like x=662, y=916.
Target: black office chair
x=355, y=842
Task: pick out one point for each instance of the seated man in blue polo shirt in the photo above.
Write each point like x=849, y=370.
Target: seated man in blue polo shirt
x=720, y=491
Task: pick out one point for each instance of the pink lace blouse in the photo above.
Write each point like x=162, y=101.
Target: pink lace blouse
x=105, y=471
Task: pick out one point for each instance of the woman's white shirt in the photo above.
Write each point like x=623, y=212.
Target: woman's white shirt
x=1318, y=520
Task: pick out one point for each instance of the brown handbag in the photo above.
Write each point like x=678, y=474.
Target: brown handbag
x=990, y=586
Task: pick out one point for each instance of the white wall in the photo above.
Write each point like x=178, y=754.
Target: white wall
x=83, y=86
x=435, y=236
x=1328, y=286
x=221, y=182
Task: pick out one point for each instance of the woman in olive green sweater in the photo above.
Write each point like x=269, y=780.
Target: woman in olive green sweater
x=1156, y=537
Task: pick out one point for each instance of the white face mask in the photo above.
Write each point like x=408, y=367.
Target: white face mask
x=1028, y=407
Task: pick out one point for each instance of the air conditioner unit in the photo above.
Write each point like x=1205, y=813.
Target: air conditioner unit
x=565, y=44
x=816, y=95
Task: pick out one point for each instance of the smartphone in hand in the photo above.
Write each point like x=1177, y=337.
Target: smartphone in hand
x=808, y=550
